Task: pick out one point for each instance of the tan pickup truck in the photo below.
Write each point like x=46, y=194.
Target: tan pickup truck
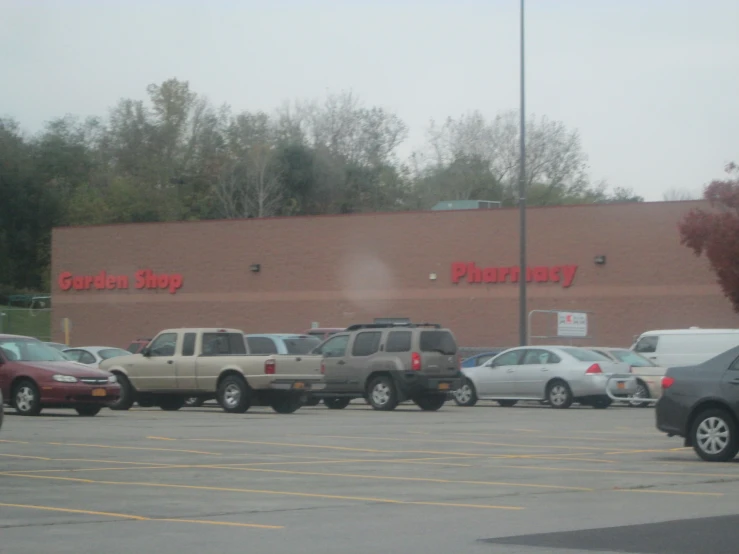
x=212, y=363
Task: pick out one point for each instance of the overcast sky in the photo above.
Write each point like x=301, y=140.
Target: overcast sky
x=652, y=85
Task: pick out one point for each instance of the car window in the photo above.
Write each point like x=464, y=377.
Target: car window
x=223, y=344
x=86, y=358
x=366, y=343
x=539, y=357
x=30, y=350
x=507, y=358
x=441, y=342
x=646, y=345
x=261, y=345
x=301, y=345
x=584, y=355
x=335, y=347
x=398, y=341
x=632, y=358
x=73, y=355
x=188, y=344
x=112, y=353
x=163, y=345
x=482, y=359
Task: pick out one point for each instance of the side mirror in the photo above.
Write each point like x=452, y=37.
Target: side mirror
x=145, y=352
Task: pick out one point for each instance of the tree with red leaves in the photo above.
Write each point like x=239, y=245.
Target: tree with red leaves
x=716, y=233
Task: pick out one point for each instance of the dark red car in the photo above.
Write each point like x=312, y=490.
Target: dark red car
x=35, y=376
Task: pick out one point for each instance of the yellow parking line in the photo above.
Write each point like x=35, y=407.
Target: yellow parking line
x=161, y=438
x=648, y=450
x=621, y=471
x=137, y=518
x=26, y=457
x=267, y=492
x=134, y=448
x=14, y=442
x=652, y=491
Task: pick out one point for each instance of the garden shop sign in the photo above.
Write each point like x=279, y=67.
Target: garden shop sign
x=468, y=271
x=142, y=279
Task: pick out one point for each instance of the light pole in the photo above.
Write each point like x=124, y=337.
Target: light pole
x=522, y=331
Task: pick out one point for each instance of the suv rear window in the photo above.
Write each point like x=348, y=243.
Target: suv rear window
x=301, y=345
x=398, y=341
x=438, y=341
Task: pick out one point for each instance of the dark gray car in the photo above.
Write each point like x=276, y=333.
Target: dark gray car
x=701, y=404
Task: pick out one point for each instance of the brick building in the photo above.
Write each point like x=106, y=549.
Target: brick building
x=458, y=268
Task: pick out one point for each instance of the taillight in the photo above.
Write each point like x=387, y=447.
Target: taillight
x=269, y=367
x=416, y=361
x=667, y=382
x=593, y=369
x=323, y=368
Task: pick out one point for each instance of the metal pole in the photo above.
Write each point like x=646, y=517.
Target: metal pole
x=522, y=316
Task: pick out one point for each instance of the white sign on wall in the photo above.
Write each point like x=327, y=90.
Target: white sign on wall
x=572, y=324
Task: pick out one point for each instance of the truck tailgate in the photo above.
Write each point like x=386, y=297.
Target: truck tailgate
x=290, y=371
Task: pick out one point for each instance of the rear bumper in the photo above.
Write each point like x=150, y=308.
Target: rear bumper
x=412, y=383
x=595, y=385
x=72, y=394
x=297, y=385
x=671, y=417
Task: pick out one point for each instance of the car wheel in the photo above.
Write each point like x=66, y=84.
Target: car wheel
x=601, y=402
x=26, y=398
x=88, y=411
x=126, y=399
x=430, y=402
x=233, y=395
x=466, y=395
x=171, y=404
x=336, y=403
x=559, y=395
x=382, y=394
x=642, y=391
x=714, y=436
x=507, y=403
x=286, y=404
x=194, y=402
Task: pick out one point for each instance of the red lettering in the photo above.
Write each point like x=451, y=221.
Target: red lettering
x=554, y=274
x=503, y=272
x=122, y=282
x=140, y=277
x=474, y=273
x=88, y=281
x=163, y=281
x=458, y=271
x=515, y=274
x=65, y=280
x=151, y=279
x=110, y=281
x=529, y=275
x=490, y=275
x=79, y=283
x=541, y=274
x=99, y=280
x=175, y=282
x=569, y=275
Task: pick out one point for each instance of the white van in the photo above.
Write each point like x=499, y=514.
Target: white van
x=681, y=347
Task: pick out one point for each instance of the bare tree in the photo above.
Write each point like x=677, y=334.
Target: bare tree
x=675, y=194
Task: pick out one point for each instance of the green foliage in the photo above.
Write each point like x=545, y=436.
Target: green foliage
x=175, y=157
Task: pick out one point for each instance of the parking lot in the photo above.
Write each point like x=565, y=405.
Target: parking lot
x=484, y=479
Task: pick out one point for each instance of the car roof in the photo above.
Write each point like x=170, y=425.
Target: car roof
x=95, y=348
x=15, y=337
x=280, y=335
x=690, y=331
x=606, y=348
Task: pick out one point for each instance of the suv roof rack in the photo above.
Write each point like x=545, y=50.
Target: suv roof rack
x=388, y=325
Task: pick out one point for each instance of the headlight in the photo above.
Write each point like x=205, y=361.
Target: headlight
x=65, y=378
x=112, y=379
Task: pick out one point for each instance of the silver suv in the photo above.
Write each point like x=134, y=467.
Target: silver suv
x=388, y=363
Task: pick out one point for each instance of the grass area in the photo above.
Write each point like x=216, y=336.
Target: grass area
x=21, y=321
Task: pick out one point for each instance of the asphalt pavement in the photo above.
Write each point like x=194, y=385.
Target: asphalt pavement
x=521, y=480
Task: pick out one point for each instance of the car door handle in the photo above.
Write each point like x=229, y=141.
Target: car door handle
x=298, y=359
x=170, y=361
x=735, y=381
x=544, y=369
x=341, y=362
x=510, y=371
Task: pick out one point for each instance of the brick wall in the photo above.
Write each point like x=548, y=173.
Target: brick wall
x=338, y=270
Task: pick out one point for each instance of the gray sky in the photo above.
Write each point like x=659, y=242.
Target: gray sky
x=652, y=85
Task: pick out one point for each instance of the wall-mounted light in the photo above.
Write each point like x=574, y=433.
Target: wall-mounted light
x=600, y=260
x=255, y=268
x=432, y=276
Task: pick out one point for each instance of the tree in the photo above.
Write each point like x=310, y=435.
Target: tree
x=675, y=194
x=716, y=233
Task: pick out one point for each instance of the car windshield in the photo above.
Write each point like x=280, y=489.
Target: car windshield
x=30, y=350
x=585, y=355
x=632, y=358
x=301, y=345
x=112, y=353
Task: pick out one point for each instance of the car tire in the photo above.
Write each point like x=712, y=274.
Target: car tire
x=430, y=402
x=194, y=402
x=313, y=401
x=466, y=395
x=128, y=394
x=601, y=402
x=559, y=395
x=286, y=404
x=383, y=395
x=714, y=436
x=26, y=398
x=336, y=403
x=642, y=391
x=171, y=403
x=233, y=395
x=88, y=411
x=507, y=403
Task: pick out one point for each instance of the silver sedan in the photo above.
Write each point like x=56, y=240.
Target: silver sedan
x=94, y=355
x=558, y=375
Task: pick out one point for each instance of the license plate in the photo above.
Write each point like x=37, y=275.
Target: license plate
x=443, y=386
x=99, y=392
x=621, y=385
x=298, y=385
